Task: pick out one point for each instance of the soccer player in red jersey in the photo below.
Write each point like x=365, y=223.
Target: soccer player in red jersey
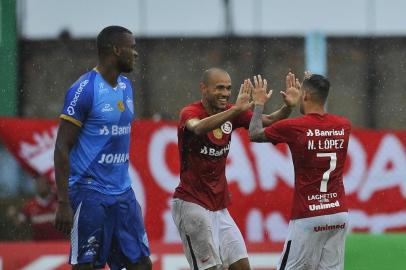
x=39, y=212
x=318, y=142
x=210, y=236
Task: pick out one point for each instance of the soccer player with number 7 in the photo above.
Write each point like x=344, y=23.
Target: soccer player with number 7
x=318, y=142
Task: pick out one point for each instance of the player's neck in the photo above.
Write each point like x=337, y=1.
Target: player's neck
x=109, y=74
x=209, y=109
x=315, y=108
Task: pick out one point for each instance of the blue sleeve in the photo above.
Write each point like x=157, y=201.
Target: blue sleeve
x=78, y=101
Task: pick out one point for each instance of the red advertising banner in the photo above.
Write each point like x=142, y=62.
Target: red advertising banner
x=260, y=177
x=55, y=256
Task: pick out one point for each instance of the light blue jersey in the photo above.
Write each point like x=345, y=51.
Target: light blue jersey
x=100, y=158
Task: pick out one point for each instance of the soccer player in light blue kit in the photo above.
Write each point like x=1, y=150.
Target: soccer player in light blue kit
x=96, y=203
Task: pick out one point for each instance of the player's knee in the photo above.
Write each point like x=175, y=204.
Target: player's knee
x=242, y=264
x=85, y=266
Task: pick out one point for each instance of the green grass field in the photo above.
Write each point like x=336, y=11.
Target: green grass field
x=375, y=252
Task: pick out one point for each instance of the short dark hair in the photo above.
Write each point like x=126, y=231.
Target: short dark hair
x=319, y=85
x=109, y=37
x=208, y=72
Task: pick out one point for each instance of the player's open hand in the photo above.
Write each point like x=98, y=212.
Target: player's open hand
x=259, y=94
x=243, y=100
x=63, y=218
x=291, y=96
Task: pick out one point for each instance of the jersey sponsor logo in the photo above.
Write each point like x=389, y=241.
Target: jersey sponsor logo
x=209, y=151
x=329, y=227
x=324, y=133
x=107, y=108
x=227, y=127
x=323, y=198
x=71, y=110
x=114, y=158
x=115, y=130
x=322, y=206
x=217, y=133
x=74, y=101
x=104, y=131
x=120, y=106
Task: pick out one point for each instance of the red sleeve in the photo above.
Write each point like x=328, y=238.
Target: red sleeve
x=188, y=113
x=243, y=119
x=280, y=132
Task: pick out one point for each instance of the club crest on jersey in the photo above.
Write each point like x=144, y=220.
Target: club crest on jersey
x=120, y=106
x=227, y=127
x=217, y=133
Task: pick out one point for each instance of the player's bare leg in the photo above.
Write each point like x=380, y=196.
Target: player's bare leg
x=242, y=264
x=144, y=264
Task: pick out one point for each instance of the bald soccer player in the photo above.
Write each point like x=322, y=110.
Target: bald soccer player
x=210, y=237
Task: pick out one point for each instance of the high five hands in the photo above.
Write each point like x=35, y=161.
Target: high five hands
x=291, y=96
x=260, y=94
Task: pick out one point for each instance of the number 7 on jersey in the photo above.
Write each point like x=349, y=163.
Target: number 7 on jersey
x=326, y=174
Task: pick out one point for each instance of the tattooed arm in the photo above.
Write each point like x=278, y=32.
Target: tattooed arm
x=256, y=129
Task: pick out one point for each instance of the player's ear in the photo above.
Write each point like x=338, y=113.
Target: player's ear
x=306, y=95
x=116, y=50
x=202, y=87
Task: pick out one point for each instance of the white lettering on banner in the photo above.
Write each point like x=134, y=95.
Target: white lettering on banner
x=380, y=177
x=271, y=164
x=157, y=160
x=239, y=168
x=358, y=160
x=40, y=154
x=377, y=223
x=49, y=262
x=258, y=225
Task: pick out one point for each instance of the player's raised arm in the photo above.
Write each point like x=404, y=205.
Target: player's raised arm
x=291, y=97
x=65, y=140
x=260, y=97
x=242, y=104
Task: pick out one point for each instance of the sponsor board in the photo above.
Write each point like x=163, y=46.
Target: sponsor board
x=55, y=255
x=260, y=176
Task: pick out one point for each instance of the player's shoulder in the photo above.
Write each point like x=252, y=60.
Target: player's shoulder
x=195, y=106
x=84, y=81
x=340, y=119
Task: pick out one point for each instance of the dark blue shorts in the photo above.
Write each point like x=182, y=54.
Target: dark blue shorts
x=107, y=228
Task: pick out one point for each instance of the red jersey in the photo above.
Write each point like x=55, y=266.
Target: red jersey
x=318, y=144
x=203, y=159
x=40, y=213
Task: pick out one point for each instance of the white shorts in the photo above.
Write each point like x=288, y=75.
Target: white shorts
x=209, y=238
x=315, y=243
